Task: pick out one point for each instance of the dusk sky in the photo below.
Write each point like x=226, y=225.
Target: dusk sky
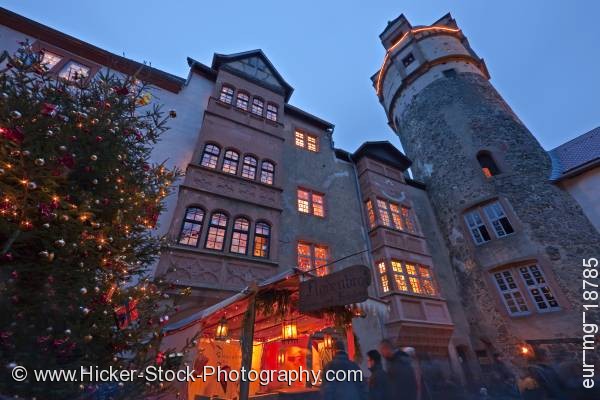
x=543, y=56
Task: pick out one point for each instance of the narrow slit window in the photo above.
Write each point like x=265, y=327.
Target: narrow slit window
x=487, y=163
x=383, y=279
x=371, y=214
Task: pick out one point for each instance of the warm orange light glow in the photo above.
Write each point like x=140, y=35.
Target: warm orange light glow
x=289, y=330
x=222, y=331
x=281, y=357
x=387, y=54
x=328, y=341
x=524, y=350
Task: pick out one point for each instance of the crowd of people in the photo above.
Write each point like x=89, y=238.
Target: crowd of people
x=404, y=378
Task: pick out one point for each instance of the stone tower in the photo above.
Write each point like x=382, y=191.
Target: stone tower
x=516, y=241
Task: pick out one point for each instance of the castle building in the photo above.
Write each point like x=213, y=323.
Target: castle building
x=516, y=238
x=476, y=253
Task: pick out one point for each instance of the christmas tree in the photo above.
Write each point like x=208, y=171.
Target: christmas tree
x=78, y=201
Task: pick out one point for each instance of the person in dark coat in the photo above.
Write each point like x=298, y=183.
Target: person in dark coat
x=379, y=383
x=400, y=371
x=342, y=389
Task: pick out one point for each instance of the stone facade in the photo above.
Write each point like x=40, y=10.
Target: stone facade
x=444, y=125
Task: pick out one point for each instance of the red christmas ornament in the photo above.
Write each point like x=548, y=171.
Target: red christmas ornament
x=126, y=314
x=99, y=139
x=121, y=91
x=67, y=161
x=14, y=135
x=49, y=109
x=160, y=358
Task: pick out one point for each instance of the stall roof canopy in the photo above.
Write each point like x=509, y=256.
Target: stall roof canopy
x=280, y=280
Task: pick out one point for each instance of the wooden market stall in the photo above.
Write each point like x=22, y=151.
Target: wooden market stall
x=266, y=327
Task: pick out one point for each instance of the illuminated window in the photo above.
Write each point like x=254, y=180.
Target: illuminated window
x=49, y=60
x=262, y=238
x=226, y=95
x=210, y=157
x=242, y=101
x=313, y=257
x=272, y=112
x=487, y=163
x=306, y=141
x=239, y=237
x=249, y=167
x=74, y=71
x=310, y=202
x=406, y=61
x=257, y=106
x=370, y=213
x=191, y=226
x=383, y=279
x=216, y=231
x=510, y=293
x=230, y=162
x=497, y=217
x=538, y=288
x=399, y=277
x=384, y=213
x=267, y=170
x=407, y=220
x=394, y=216
x=427, y=280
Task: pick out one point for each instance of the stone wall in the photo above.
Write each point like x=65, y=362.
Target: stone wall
x=442, y=130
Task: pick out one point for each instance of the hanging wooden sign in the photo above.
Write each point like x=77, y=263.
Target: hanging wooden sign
x=347, y=286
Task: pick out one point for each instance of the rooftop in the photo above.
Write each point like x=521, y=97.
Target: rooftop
x=576, y=156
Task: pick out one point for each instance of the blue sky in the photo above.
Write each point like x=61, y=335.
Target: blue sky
x=543, y=56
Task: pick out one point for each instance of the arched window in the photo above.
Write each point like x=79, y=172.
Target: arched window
x=262, y=239
x=487, y=163
x=266, y=172
x=216, y=231
x=230, y=162
x=257, y=106
x=226, y=95
x=191, y=227
x=249, y=167
x=242, y=101
x=239, y=237
x=210, y=157
x=272, y=112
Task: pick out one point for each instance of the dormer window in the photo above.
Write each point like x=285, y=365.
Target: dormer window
x=487, y=163
x=406, y=61
x=50, y=60
x=74, y=71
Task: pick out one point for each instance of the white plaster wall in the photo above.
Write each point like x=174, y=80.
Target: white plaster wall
x=585, y=188
x=177, y=145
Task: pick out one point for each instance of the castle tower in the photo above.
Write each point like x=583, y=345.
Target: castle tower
x=516, y=241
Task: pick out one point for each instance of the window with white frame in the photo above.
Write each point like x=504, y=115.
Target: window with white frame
x=272, y=112
x=477, y=227
x=538, y=288
x=510, y=293
x=210, y=156
x=257, y=106
x=249, y=167
x=497, y=217
x=242, y=101
x=230, y=162
x=226, y=95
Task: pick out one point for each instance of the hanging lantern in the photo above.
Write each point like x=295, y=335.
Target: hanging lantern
x=289, y=330
x=281, y=357
x=222, y=331
x=328, y=341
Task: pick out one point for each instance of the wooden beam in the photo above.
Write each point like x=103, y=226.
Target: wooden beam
x=247, y=343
